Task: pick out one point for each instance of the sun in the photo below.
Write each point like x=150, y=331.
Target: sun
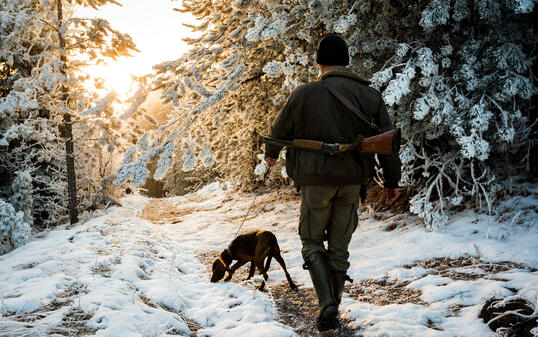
x=118, y=75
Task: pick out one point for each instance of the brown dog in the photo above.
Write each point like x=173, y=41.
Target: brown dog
x=252, y=247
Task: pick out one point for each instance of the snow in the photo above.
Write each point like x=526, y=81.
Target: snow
x=399, y=87
x=273, y=69
x=393, y=320
x=437, y=13
x=343, y=23
x=140, y=278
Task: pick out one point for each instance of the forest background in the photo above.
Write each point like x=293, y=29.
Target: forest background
x=457, y=77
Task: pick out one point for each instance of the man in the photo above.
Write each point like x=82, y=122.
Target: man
x=331, y=184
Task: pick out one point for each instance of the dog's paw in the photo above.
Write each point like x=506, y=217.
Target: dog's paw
x=297, y=291
x=261, y=287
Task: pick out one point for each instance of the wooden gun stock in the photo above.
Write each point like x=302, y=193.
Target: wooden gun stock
x=385, y=143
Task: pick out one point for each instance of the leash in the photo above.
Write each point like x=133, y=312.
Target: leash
x=252, y=203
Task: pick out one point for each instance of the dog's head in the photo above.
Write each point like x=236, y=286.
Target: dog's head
x=220, y=266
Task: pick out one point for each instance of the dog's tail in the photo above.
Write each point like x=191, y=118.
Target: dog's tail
x=269, y=257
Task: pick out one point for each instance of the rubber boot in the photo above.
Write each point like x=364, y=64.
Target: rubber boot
x=318, y=267
x=339, y=279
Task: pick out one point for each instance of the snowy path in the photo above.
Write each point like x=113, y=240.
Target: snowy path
x=141, y=270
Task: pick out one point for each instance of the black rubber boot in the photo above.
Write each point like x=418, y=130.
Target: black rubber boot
x=320, y=274
x=339, y=279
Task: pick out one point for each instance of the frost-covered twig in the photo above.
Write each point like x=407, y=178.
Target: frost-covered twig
x=515, y=218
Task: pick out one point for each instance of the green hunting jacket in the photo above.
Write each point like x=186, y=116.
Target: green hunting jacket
x=312, y=112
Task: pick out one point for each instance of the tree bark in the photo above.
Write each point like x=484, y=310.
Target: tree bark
x=67, y=131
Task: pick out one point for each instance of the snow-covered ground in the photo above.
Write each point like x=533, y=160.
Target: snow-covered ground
x=137, y=270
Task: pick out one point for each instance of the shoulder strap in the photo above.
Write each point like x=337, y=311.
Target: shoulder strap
x=350, y=106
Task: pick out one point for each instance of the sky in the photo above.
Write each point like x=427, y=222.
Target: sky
x=155, y=28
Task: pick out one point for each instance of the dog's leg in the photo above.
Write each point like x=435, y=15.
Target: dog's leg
x=280, y=260
x=252, y=270
x=233, y=268
x=261, y=268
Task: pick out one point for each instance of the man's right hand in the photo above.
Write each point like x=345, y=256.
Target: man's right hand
x=270, y=161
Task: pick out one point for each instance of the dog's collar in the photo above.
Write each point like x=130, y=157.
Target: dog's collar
x=224, y=264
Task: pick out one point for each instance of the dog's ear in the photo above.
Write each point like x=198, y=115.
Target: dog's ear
x=216, y=265
x=213, y=266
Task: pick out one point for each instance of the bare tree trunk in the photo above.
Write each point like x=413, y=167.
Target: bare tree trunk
x=67, y=133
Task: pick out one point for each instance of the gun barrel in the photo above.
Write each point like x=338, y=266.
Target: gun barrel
x=315, y=145
x=275, y=141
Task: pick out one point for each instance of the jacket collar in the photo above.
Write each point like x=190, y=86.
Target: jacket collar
x=344, y=72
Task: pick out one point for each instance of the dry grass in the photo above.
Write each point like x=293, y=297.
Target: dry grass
x=208, y=256
x=147, y=301
x=148, y=244
x=192, y=325
x=300, y=310
x=382, y=292
x=17, y=329
x=30, y=323
x=455, y=268
x=75, y=320
x=102, y=269
x=161, y=211
x=63, y=299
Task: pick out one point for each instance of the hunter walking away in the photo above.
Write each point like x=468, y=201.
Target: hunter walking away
x=331, y=184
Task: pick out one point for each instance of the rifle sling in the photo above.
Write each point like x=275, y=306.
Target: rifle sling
x=350, y=106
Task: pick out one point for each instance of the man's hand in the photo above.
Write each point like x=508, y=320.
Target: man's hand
x=391, y=195
x=270, y=161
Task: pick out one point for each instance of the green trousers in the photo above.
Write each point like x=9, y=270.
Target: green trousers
x=329, y=213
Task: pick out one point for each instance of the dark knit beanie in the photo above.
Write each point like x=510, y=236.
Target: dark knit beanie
x=332, y=51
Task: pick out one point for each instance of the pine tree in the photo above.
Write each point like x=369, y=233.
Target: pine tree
x=28, y=140
x=44, y=50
